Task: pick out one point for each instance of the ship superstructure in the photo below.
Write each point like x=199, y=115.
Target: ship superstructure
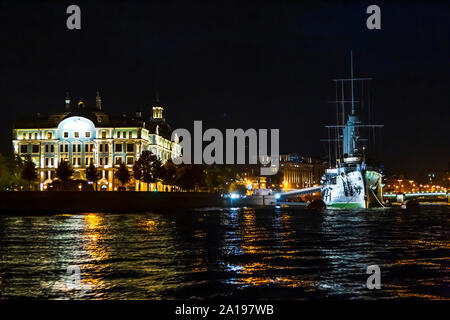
x=350, y=182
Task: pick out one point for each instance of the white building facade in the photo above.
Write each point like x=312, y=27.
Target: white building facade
x=81, y=135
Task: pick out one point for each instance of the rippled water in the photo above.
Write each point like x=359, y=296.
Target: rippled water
x=282, y=253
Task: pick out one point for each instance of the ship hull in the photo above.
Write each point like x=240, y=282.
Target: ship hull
x=352, y=190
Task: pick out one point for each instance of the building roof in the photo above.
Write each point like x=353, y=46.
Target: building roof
x=100, y=119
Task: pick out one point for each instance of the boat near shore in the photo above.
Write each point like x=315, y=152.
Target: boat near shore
x=349, y=182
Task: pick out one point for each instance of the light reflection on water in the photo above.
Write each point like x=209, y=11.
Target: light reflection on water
x=265, y=253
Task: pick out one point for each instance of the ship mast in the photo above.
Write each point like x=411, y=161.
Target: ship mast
x=348, y=128
x=351, y=77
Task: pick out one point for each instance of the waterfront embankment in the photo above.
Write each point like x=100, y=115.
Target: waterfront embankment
x=36, y=202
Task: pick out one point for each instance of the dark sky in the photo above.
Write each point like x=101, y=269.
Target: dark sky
x=242, y=64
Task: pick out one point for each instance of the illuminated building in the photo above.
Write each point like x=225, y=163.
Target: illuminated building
x=300, y=172
x=82, y=135
x=295, y=172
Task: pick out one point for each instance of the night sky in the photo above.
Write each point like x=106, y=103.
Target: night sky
x=241, y=64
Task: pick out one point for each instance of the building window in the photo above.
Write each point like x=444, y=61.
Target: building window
x=46, y=162
x=130, y=134
x=76, y=161
x=35, y=148
x=101, y=147
x=23, y=148
x=52, y=148
x=24, y=136
x=86, y=147
x=101, y=161
x=106, y=148
x=29, y=135
x=52, y=162
x=103, y=134
x=64, y=148
x=65, y=134
x=46, y=148
x=35, y=135
x=118, y=134
x=129, y=160
x=76, y=147
x=49, y=135
x=118, y=147
x=87, y=134
x=76, y=134
x=118, y=160
x=106, y=161
x=130, y=147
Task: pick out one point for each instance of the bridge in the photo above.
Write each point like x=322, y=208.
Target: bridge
x=420, y=196
x=397, y=197
x=298, y=192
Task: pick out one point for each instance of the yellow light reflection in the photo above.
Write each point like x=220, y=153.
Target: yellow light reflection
x=95, y=230
x=254, y=241
x=149, y=225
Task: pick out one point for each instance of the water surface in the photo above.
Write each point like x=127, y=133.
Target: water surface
x=266, y=253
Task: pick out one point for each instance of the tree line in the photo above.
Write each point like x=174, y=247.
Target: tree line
x=17, y=173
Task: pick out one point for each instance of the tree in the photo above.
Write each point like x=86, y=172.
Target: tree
x=122, y=174
x=29, y=172
x=148, y=168
x=92, y=174
x=169, y=171
x=15, y=165
x=10, y=175
x=138, y=172
x=64, y=172
x=190, y=176
x=218, y=178
x=237, y=188
x=4, y=173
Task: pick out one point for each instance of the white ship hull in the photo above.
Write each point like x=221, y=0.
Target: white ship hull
x=352, y=190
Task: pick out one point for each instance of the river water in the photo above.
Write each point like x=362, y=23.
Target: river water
x=239, y=253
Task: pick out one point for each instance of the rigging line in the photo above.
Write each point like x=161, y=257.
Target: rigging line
x=373, y=192
x=370, y=112
x=337, y=119
x=343, y=121
x=337, y=103
x=338, y=151
x=343, y=108
x=329, y=149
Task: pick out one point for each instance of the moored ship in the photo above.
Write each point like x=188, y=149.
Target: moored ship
x=350, y=183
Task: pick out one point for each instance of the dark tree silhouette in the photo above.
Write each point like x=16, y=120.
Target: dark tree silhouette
x=219, y=177
x=29, y=172
x=64, y=172
x=122, y=174
x=169, y=171
x=148, y=168
x=138, y=172
x=92, y=174
x=190, y=176
x=10, y=171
